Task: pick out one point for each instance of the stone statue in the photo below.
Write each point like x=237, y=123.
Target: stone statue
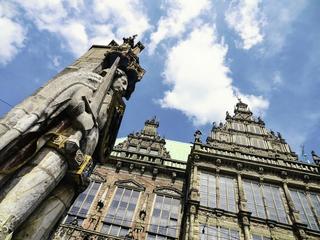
x=56, y=133
x=197, y=136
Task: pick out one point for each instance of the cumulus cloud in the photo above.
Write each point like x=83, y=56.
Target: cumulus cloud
x=128, y=16
x=179, y=13
x=80, y=26
x=199, y=79
x=12, y=34
x=280, y=16
x=245, y=18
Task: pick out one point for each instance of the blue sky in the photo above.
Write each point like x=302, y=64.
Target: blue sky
x=199, y=57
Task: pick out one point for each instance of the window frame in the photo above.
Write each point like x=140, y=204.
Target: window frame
x=216, y=181
x=82, y=216
x=158, y=192
x=218, y=233
x=108, y=224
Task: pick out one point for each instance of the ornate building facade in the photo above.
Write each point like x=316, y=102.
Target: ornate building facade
x=244, y=182
x=137, y=194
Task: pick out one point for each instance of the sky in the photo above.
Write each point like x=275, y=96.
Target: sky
x=200, y=56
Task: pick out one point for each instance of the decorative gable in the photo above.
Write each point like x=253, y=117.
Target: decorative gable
x=130, y=183
x=168, y=191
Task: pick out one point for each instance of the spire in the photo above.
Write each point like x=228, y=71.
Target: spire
x=242, y=107
x=151, y=127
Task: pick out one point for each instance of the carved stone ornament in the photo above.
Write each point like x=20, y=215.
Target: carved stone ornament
x=118, y=166
x=142, y=170
x=155, y=172
x=168, y=190
x=239, y=166
x=284, y=174
x=130, y=183
x=131, y=167
x=261, y=170
x=218, y=161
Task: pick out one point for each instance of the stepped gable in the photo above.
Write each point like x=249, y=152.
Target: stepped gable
x=147, y=141
x=247, y=134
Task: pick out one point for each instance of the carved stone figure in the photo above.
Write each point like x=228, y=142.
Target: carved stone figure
x=57, y=132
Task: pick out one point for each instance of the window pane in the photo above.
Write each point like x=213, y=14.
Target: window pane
x=274, y=202
x=121, y=211
x=254, y=198
x=301, y=203
x=208, y=190
x=84, y=201
x=217, y=233
x=165, y=215
x=315, y=199
x=227, y=194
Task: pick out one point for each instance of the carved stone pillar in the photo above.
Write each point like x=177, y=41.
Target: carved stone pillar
x=244, y=215
x=192, y=213
x=294, y=214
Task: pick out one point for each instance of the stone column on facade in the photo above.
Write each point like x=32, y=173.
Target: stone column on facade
x=243, y=208
x=48, y=214
x=294, y=214
x=192, y=212
x=194, y=199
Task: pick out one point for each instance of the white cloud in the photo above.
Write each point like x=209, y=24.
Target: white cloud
x=76, y=36
x=12, y=34
x=127, y=16
x=56, y=61
x=179, y=14
x=200, y=85
x=79, y=26
x=245, y=18
x=281, y=16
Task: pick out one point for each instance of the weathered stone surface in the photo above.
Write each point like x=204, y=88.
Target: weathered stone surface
x=40, y=223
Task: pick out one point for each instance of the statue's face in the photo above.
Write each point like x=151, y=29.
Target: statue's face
x=121, y=84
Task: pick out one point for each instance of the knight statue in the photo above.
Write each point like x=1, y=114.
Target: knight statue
x=51, y=141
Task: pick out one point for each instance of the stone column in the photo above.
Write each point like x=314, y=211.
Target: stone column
x=243, y=209
x=43, y=219
x=294, y=214
x=29, y=187
x=192, y=211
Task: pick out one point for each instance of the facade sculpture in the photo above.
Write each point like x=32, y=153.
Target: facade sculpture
x=54, y=138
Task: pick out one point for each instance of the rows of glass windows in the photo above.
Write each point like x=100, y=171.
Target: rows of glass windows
x=221, y=233
x=218, y=233
x=210, y=184
x=165, y=218
x=304, y=204
x=143, y=150
x=79, y=209
x=259, y=237
x=243, y=128
x=120, y=213
x=255, y=142
x=273, y=206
